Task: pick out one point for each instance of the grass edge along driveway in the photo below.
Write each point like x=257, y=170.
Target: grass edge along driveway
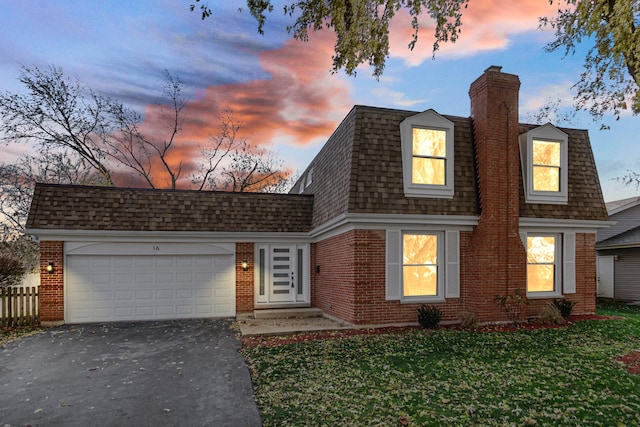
x=566, y=376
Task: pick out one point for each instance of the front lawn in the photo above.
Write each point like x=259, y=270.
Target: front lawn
x=566, y=376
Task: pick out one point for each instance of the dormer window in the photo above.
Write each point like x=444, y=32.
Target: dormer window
x=427, y=155
x=543, y=153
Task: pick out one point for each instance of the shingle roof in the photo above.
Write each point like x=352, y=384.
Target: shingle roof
x=359, y=170
x=69, y=207
x=585, y=193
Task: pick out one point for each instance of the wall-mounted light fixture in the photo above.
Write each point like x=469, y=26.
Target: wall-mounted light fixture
x=50, y=267
x=245, y=265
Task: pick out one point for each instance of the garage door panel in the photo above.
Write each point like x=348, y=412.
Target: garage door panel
x=113, y=287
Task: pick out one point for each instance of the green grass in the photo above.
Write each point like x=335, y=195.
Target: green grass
x=566, y=376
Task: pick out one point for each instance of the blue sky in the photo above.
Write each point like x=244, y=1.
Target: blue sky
x=282, y=90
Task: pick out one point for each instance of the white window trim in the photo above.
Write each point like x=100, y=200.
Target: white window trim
x=448, y=265
x=559, y=266
x=549, y=133
x=439, y=296
x=428, y=120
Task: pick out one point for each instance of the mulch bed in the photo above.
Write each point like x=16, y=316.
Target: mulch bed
x=632, y=362
x=274, y=341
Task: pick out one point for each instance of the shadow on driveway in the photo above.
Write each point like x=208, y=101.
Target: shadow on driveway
x=170, y=373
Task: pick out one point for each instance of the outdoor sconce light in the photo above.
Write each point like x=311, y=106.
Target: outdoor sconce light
x=245, y=266
x=50, y=267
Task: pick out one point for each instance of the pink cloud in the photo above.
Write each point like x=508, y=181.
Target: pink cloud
x=299, y=104
x=486, y=25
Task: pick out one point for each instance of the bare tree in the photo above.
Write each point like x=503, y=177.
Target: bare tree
x=229, y=162
x=128, y=146
x=17, y=182
x=59, y=113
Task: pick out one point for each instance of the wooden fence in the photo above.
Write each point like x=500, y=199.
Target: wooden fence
x=19, y=306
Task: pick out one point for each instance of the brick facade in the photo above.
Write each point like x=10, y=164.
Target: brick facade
x=51, y=292
x=244, y=279
x=496, y=264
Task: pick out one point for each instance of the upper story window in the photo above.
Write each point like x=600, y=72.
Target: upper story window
x=427, y=155
x=544, y=157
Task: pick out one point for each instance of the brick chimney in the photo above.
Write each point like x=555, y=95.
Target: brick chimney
x=497, y=257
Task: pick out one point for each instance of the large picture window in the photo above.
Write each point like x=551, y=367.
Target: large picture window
x=420, y=265
x=543, y=264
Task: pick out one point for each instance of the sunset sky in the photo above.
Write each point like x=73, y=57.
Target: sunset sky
x=282, y=90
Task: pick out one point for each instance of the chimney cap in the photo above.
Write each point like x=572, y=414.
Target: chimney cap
x=494, y=68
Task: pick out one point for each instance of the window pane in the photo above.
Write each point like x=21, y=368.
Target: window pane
x=541, y=249
x=429, y=142
x=540, y=278
x=428, y=171
x=420, y=280
x=420, y=249
x=546, y=153
x=546, y=178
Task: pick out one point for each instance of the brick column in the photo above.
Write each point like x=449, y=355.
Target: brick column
x=498, y=258
x=244, y=279
x=51, y=291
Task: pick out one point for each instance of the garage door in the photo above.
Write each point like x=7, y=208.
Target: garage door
x=148, y=287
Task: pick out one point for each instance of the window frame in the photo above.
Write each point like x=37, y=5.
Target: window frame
x=427, y=120
x=546, y=133
x=558, y=266
x=440, y=268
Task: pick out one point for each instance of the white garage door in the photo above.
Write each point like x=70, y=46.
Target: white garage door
x=142, y=287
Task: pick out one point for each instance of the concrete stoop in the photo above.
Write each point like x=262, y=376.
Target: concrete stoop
x=288, y=313
x=287, y=321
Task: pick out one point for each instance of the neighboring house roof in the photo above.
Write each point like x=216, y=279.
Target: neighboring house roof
x=621, y=205
x=69, y=207
x=626, y=231
x=359, y=170
x=629, y=238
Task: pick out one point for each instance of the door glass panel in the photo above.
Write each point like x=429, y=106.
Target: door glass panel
x=262, y=270
x=300, y=271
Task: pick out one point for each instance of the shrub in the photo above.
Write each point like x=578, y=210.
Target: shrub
x=11, y=270
x=564, y=306
x=468, y=320
x=514, y=305
x=429, y=316
x=550, y=315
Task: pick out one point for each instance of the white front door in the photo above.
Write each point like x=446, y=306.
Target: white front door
x=282, y=274
x=605, y=267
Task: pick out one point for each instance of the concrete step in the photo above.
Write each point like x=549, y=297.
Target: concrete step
x=287, y=313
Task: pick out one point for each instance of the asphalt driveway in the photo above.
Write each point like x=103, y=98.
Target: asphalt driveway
x=174, y=373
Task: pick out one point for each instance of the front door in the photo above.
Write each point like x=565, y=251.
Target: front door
x=282, y=274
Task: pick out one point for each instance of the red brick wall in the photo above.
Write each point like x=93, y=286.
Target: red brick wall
x=51, y=292
x=351, y=283
x=244, y=279
x=585, y=295
x=496, y=264
x=332, y=290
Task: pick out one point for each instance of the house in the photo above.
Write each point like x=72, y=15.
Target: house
x=618, y=252
x=399, y=208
